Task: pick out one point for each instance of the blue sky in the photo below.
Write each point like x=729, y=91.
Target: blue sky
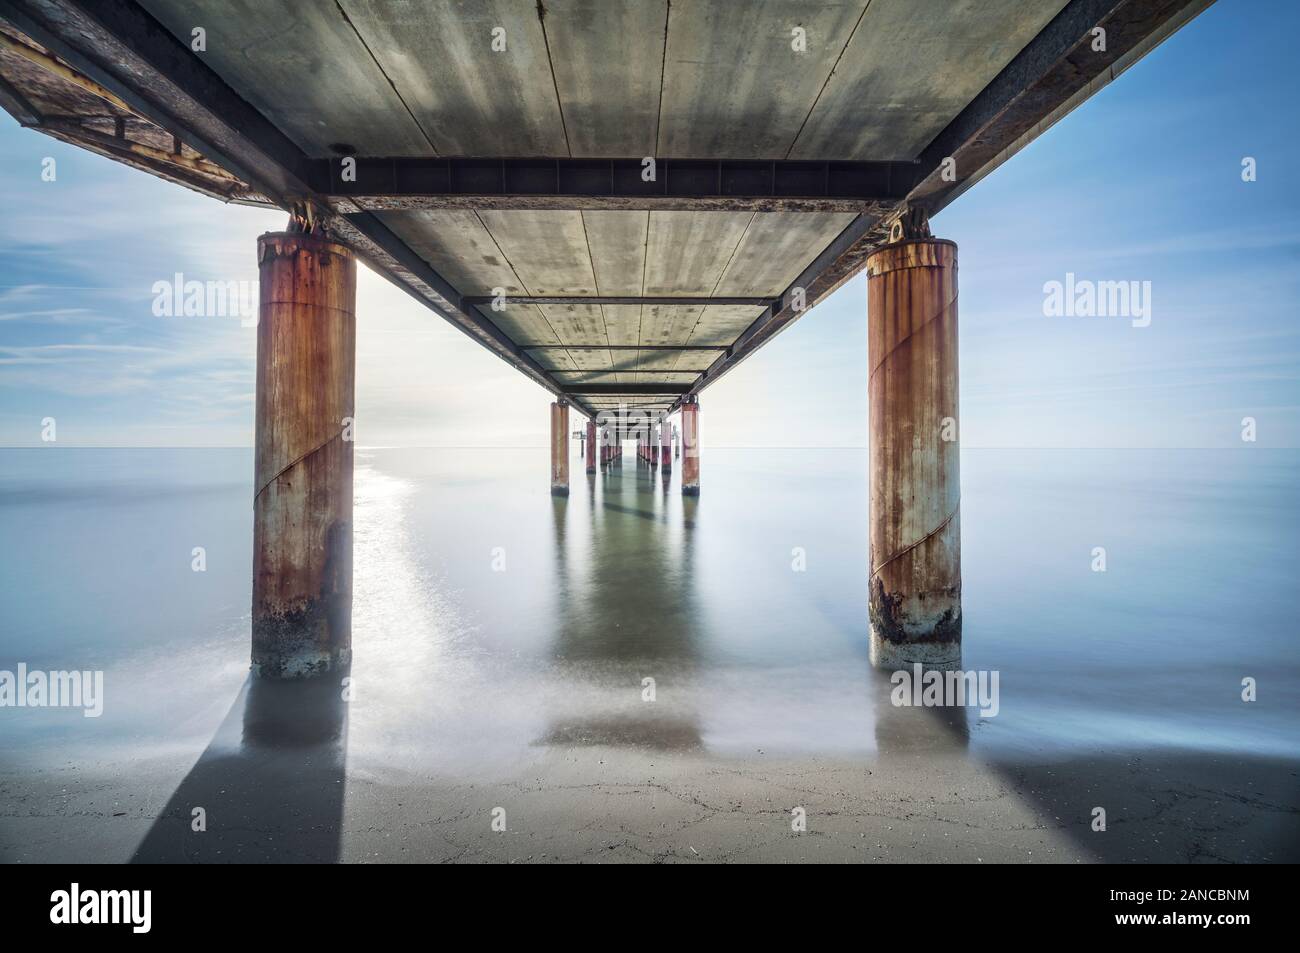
x=1142, y=183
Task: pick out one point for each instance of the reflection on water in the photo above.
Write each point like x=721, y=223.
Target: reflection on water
x=493, y=621
x=627, y=621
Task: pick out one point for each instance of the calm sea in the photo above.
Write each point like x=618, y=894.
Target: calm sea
x=491, y=618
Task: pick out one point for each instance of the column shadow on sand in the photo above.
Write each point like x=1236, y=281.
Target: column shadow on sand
x=1162, y=805
x=270, y=782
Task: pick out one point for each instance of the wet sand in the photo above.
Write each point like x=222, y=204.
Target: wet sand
x=272, y=796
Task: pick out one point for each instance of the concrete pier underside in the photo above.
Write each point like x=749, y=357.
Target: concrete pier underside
x=705, y=173
x=827, y=106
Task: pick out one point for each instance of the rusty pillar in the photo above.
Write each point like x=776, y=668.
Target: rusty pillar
x=691, y=446
x=591, y=446
x=915, y=601
x=665, y=445
x=302, y=502
x=560, y=448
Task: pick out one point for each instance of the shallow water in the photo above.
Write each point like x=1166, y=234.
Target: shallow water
x=491, y=619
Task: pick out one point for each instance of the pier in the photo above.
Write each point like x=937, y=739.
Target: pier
x=622, y=199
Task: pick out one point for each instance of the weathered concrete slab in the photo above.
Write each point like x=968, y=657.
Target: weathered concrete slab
x=469, y=97
x=910, y=68
x=687, y=252
x=734, y=86
x=303, y=67
x=608, y=57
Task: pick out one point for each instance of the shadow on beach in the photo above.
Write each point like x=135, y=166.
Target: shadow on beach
x=1166, y=806
x=270, y=783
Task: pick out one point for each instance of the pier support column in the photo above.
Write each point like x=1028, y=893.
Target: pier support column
x=915, y=602
x=302, y=502
x=691, y=447
x=665, y=445
x=591, y=446
x=560, y=448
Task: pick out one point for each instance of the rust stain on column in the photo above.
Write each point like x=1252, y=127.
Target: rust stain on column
x=560, y=448
x=691, y=447
x=915, y=602
x=591, y=446
x=302, y=503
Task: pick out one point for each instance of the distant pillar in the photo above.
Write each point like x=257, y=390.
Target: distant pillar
x=302, y=502
x=560, y=448
x=652, y=437
x=915, y=601
x=665, y=445
x=691, y=447
x=591, y=446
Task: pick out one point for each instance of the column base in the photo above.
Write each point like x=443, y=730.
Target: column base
x=690, y=491
x=559, y=491
x=887, y=654
x=292, y=663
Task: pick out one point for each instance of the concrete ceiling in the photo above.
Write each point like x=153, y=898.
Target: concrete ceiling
x=878, y=80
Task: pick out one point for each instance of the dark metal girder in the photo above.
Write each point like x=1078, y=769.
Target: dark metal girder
x=622, y=370
x=631, y=390
x=684, y=300
x=384, y=183
x=597, y=346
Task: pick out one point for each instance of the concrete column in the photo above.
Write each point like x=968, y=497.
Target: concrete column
x=915, y=603
x=651, y=438
x=691, y=447
x=560, y=448
x=591, y=446
x=302, y=502
x=665, y=445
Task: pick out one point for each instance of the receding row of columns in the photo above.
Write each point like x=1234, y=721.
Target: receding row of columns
x=654, y=446
x=302, y=502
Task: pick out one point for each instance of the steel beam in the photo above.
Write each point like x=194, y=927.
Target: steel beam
x=592, y=390
x=597, y=346
x=385, y=183
x=683, y=300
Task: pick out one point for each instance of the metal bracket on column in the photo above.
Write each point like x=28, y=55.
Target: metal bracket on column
x=911, y=224
x=307, y=218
